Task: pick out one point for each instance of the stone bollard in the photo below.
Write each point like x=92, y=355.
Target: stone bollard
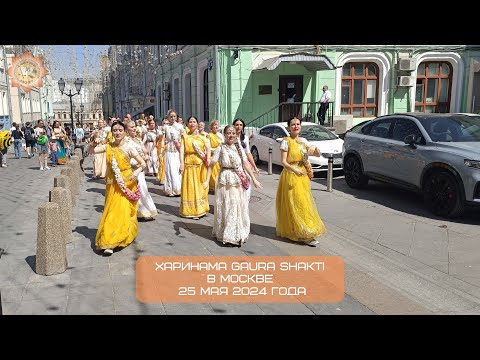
x=80, y=161
x=77, y=175
x=65, y=182
x=67, y=170
x=51, y=255
x=75, y=163
x=75, y=160
x=62, y=198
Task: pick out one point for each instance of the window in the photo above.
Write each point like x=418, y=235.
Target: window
x=379, y=128
x=267, y=132
x=278, y=133
x=405, y=127
x=176, y=94
x=359, y=93
x=433, y=90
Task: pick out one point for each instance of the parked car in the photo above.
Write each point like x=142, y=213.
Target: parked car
x=437, y=155
x=272, y=135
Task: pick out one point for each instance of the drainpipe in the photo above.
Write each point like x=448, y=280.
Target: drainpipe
x=7, y=80
x=393, y=83
x=217, y=82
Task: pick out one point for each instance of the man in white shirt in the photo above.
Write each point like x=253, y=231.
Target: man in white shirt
x=79, y=133
x=324, y=104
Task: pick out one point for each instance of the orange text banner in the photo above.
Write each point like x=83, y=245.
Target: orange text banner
x=240, y=279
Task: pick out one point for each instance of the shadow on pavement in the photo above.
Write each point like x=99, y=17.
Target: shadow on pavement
x=167, y=209
x=204, y=231
x=99, y=191
x=99, y=208
x=397, y=198
x=31, y=261
x=89, y=234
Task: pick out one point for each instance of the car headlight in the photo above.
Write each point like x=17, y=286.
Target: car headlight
x=472, y=163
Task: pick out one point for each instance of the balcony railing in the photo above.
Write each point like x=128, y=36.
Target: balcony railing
x=306, y=111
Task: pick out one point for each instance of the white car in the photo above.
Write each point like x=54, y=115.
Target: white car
x=271, y=136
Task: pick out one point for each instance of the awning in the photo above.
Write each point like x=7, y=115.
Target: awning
x=309, y=61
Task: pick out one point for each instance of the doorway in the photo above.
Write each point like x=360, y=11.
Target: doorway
x=290, y=93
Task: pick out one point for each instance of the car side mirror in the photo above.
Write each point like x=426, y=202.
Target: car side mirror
x=410, y=140
x=279, y=139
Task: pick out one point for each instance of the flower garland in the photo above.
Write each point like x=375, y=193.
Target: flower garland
x=118, y=177
x=306, y=162
x=244, y=179
x=200, y=153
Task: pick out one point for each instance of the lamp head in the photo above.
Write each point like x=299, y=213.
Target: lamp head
x=61, y=85
x=78, y=84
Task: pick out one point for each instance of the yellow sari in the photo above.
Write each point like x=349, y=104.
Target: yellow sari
x=193, y=197
x=161, y=159
x=215, y=141
x=297, y=214
x=119, y=225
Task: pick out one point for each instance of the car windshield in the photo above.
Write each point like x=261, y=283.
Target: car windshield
x=457, y=128
x=316, y=133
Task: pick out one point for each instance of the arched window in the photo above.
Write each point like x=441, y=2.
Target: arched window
x=434, y=87
x=359, y=89
x=206, y=116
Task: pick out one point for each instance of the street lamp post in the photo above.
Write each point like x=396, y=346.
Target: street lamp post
x=78, y=86
x=82, y=107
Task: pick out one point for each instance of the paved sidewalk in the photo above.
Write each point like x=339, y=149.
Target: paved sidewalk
x=95, y=284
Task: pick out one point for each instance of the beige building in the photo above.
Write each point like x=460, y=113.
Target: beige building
x=87, y=105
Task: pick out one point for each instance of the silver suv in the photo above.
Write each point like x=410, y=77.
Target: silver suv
x=437, y=155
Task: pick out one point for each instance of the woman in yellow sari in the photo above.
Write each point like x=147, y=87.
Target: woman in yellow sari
x=161, y=152
x=194, y=158
x=216, y=139
x=297, y=215
x=119, y=225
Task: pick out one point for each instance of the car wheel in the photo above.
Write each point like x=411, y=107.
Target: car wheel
x=353, y=172
x=256, y=157
x=442, y=195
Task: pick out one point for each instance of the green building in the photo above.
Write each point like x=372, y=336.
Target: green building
x=269, y=83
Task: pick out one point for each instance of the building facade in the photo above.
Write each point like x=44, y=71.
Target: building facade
x=128, y=80
x=271, y=83
x=87, y=105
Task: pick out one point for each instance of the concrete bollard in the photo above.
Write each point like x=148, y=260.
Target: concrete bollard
x=51, y=257
x=270, y=150
x=80, y=161
x=62, y=198
x=77, y=164
x=76, y=160
x=77, y=170
x=69, y=172
x=77, y=175
x=330, y=173
x=65, y=182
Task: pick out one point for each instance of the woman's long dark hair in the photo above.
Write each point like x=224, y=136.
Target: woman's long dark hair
x=242, y=134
